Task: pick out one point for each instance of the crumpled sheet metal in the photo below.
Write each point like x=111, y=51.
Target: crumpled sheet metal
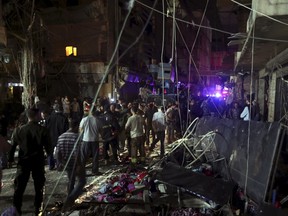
x=232, y=142
x=205, y=187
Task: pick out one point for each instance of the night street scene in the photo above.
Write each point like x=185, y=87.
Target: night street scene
x=144, y=107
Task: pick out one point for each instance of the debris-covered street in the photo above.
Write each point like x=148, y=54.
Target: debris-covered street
x=203, y=173
x=144, y=107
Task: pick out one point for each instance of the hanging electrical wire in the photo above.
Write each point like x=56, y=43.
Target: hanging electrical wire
x=191, y=56
x=199, y=28
x=92, y=107
x=191, y=59
x=249, y=122
x=162, y=55
x=173, y=32
x=211, y=28
x=136, y=41
x=108, y=69
x=177, y=83
x=189, y=70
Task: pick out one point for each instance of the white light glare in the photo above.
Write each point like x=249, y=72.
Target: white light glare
x=131, y=4
x=15, y=84
x=217, y=95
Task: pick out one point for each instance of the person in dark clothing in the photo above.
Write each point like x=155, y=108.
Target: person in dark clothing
x=235, y=111
x=124, y=115
x=148, y=117
x=4, y=133
x=171, y=115
x=255, y=111
x=32, y=139
x=195, y=110
x=57, y=123
x=3, y=125
x=109, y=133
x=205, y=106
x=4, y=147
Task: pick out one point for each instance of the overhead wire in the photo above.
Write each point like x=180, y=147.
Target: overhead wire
x=192, y=60
x=188, y=50
x=94, y=101
x=249, y=122
x=110, y=63
x=207, y=27
x=162, y=54
x=174, y=50
x=199, y=27
x=211, y=28
x=108, y=68
x=173, y=32
x=137, y=39
x=249, y=128
x=191, y=57
x=177, y=82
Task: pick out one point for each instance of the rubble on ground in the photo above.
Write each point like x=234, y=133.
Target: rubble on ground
x=194, y=179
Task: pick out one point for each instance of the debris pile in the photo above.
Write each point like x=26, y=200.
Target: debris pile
x=206, y=173
x=119, y=188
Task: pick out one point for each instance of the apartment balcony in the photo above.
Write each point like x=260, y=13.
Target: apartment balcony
x=266, y=34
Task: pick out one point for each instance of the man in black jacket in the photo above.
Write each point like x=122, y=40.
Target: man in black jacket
x=109, y=132
x=57, y=124
x=32, y=139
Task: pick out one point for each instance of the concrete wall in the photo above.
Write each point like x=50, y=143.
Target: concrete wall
x=84, y=27
x=271, y=7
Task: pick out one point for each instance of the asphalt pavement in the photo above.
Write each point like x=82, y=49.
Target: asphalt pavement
x=55, y=186
x=55, y=190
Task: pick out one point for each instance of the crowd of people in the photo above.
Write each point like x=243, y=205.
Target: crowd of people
x=71, y=134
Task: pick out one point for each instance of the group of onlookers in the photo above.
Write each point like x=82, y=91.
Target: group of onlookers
x=66, y=139
x=72, y=134
x=248, y=110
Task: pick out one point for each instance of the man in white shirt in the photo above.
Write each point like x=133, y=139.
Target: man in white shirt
x=159, y=126
x=245, y=114
x=135, y=124
x=90, y=126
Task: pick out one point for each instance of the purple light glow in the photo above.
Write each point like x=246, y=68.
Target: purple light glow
x=218, y=95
